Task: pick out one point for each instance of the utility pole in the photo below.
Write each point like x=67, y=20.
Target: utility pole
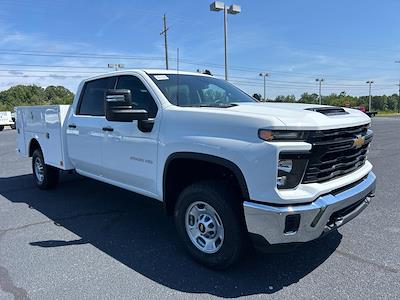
x=265, y=75
x=164, y=32
x=320, y=80
x=370, y=82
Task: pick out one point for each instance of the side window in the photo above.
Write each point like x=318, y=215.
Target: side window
x=141, y=97
x=92, y=101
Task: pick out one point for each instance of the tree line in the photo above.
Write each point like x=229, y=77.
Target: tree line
x=21, y=95
x=379, y=103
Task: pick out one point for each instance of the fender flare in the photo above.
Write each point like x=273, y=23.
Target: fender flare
x=211, y=159
x=31, y=142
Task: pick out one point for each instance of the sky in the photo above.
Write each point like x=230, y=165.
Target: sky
x=60, y=42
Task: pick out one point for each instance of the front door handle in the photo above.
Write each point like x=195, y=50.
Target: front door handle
x=108, y=129
x=71, y=126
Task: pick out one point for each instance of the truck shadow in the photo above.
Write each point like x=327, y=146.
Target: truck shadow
x=137, y=233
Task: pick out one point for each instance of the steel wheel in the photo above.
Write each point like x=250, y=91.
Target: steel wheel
x=39, y=169
x=204, y=227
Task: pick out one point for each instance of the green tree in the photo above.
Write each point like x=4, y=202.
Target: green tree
x=34, y=95
x=289, y=98
x=309, y=98
x=58, y=95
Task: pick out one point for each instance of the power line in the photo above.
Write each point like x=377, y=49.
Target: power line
x=48, y=71
x=77, y=55
x=271, y=83
x=45, y=76
x=52, y=66
x=151, y=58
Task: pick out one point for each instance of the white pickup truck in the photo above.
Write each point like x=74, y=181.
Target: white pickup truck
x=225, y=166
x=6, y=119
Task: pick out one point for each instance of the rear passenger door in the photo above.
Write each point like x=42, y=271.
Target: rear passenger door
x=85, y=128
x=129, y=154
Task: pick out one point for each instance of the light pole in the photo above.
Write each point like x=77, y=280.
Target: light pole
x=370, y=82
x=116, y=66
x=320, y=80
x=398, y=99
x=233, y=10
x=265, y=75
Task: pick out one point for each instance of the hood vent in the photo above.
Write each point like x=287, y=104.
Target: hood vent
x=329, y=111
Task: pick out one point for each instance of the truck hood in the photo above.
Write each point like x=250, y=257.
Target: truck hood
x=305, y=116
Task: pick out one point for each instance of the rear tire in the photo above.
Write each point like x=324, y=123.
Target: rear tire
x=45, y=176
x=1, y=127
x=210, y=223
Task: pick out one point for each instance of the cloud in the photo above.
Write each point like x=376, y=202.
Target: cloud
x=15, y=72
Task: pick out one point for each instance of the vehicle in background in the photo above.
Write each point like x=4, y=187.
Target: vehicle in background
x=6, y=119
x=370, y=114
x=229, y=169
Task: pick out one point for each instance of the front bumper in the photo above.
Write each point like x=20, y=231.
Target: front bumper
x=312, y=220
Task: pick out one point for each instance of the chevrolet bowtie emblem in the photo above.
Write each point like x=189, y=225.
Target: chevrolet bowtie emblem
x=359, y=141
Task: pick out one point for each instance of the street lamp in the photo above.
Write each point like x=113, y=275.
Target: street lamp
x=265, y=75
x=116, y=66
x=370, y=82
x=320, y=80
x=233, y=10
x=398, y=99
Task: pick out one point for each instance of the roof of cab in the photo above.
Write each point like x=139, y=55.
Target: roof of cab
x=147, y=71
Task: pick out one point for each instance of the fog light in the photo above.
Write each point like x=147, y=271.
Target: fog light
x=285, y=165
x=291, y=168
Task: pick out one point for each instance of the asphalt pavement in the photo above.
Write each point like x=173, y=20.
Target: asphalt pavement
x=89, y=240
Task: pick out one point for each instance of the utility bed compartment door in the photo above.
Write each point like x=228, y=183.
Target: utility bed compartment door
x=43, y=123
x=21, y=146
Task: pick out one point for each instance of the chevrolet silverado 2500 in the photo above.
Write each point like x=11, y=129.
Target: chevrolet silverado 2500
x=225, y=166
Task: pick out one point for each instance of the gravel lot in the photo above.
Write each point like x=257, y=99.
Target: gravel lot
x=88, y=240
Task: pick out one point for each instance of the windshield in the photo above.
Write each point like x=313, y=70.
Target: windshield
x=193, y=90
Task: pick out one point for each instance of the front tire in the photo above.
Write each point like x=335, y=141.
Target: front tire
x=45, y=176
x=1, y=127
x=210, y=223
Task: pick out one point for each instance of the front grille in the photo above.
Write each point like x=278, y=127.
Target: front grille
x=334, y=154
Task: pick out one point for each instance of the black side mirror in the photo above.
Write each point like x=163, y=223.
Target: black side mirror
x=118, y=107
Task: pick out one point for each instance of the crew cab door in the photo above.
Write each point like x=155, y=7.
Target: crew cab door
x=130, y=154
x=85, y=128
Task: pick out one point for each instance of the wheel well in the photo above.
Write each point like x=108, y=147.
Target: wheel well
x=183, y=169
x=34, y=144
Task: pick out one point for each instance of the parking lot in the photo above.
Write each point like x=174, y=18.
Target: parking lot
x=87, y=240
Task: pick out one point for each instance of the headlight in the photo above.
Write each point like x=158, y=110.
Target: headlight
x=291, y=168
x=282, y=135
